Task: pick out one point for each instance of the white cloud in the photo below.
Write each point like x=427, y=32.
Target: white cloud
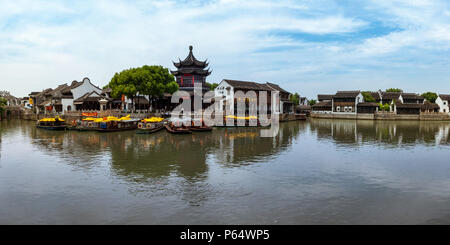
x=46, y=43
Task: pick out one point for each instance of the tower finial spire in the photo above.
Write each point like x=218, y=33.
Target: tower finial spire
x=190, y=47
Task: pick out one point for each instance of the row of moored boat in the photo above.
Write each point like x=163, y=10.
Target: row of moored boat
x=112, y=124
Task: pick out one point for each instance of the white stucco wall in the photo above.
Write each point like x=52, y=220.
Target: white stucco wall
x=85, y=87
x=221, y=90
x=443, y=105
x=67, y=102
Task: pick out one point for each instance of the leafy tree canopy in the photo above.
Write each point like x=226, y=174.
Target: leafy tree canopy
x=3, y=103
x=312, y=102
x=430, y=96
x=368, y=96
x=147, y=80
x=384, y=107
x=295, y=98
x=212, y=86
x=394, y=90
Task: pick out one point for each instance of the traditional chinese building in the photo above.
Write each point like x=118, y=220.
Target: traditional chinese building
x=346, y=101
x=191, y=71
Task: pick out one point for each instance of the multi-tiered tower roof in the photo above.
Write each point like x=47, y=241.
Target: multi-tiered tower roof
x=191, y=71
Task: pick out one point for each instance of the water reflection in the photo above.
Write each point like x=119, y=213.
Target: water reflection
x=388, y=133
x=141, y=157
x=313, y=172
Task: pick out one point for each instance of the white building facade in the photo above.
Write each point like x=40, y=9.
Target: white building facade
x=442, y=101
x=75, y=91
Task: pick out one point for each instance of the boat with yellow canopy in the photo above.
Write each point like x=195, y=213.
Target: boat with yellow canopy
x=247, y=120
x=51, y=123
x=112, y=124
x=150, y=125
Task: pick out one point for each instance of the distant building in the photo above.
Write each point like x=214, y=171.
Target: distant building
x=81, y=96
x=42, y=101
x=25, y=102
x=442, y=101
x=227, y=88
x=286, y=105
x=411, y=98
x=10, y=100
x=191, y=71
x=303, y=101
x=324, y=106
x=352, y=102
x=324, y=97
x=428, y=107
x=65, y=98
x=407, y=103
x=376, y=96
x=389, y=97
x=346, y=101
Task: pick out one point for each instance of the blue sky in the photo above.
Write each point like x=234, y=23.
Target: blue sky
x=309, y=47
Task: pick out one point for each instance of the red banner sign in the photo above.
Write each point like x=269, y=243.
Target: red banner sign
x=89, y=114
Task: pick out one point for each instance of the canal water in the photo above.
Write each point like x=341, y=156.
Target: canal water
x=319, y=171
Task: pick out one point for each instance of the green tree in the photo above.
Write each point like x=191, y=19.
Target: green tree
x=3, y=103
x=145, y=80
x=394, y=90
x=430, y=96
x=212, y=86
x=295, y=98
x=312, y=102
x=384, y=107
x=368, y=96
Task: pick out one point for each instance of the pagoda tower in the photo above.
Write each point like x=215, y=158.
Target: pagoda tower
x=191, y=71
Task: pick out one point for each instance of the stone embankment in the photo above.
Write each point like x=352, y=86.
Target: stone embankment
x=385, y=116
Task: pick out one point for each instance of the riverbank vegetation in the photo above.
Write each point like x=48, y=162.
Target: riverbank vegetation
x=430, y=96
x=153, y=81
x=295, y=98
x=384, y=107
x=2, y=104
x=397, y=90
x=368, y=96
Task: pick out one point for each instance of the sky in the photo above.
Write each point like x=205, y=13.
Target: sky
x=310, y=47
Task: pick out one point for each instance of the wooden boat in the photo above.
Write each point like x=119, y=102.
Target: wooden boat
x=150, y=125
x=118, y=125
x=88, y=124
x=150, y=131
x=85, y=129
x=177, y=130
x=55, y=123
x=149, y=128
x=201, y=129
x=61, y=127
x=300, y=116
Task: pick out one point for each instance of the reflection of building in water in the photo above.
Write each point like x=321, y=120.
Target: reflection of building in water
x=343, y=131
x=141, y=157
x=390, y=132
x=442, y=135
x=244, y=145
